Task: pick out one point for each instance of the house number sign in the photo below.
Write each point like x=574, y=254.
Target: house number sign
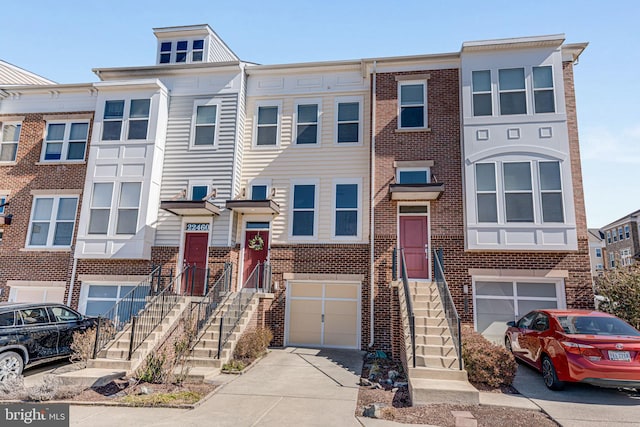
x=197, y=227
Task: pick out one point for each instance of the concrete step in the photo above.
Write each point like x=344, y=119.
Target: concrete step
x=429, y=391
x=204, y=362
x=198, y=374
x=424, y=339
x=90, y=377
x=427, y=303
x=436, y=350
x=438, y=373
x=424, y=291
x=102, y=363
x=421, y=311
x=437, y=361
x=423, y=320
x=432, y=330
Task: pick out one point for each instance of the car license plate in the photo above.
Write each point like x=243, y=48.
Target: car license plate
x=625, y=356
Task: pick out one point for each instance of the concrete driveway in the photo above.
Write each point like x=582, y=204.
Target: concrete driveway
x=289, y=387
x=580, y=405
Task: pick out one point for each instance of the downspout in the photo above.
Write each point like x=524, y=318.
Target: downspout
x=73, y=280
x=372, y=206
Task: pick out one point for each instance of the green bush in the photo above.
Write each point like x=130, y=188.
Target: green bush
x=156, y=369
x=253, y=344
x=234, y=365
x=486, y=362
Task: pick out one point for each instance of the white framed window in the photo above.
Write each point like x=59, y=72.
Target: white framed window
x=259, y=189
x=128, y=206
x=197, y=53
x=182, y=48
x=100, y=210
x=625, y=257
x=165, y=52
x=307, y=121
x=598, y=253
x=608, y=236
x=551, y=191
x=614, y=234
x=620, y=234
x=347, y=208
x=119, y=113
x=99, y=298
x=348, y=126
x=3, y=201
x=412, y=104
x=512, y=91
x=204, y=124
x=413, y=175
x=181, y=51
x=482, y=96
x=612, y=260
x=9, y=137
x=52, y=221
x=627, y=232
x=518, y=191
x=599, y=267
x=304, y=209
x=198, y=190
x=543, y=95
x=65, y=141
x=486, y=193
x=267, y=124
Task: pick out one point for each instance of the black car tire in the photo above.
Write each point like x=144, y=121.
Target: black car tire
x=11, y=365
x=507, y=344
x=549, y=375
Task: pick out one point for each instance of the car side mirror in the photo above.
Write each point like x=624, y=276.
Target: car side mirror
x=511, y=323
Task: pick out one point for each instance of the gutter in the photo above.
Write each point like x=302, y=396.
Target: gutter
x=372, y=206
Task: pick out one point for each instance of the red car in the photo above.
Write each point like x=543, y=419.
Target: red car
x=577, y=346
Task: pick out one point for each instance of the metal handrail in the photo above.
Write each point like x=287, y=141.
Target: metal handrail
x=453, y=319
x=409, y=300
x=202, y=310
x=114, y=320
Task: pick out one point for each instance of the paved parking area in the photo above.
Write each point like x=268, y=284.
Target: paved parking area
x=580, y=405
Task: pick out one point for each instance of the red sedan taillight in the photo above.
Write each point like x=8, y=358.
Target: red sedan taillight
x=588, y=351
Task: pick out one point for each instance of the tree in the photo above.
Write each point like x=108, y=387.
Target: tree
x=620, y=288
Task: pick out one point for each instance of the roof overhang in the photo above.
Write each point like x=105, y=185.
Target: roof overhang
x=254, y=206
x=431, y=191
x=190, y=207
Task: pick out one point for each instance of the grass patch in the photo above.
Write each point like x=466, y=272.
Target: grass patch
x=175, y=398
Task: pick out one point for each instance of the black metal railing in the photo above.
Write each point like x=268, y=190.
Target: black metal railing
x=113, y=321
x=203, y=309
x=409, y=302
x=148, y=319
x=260, y=278
x=449, y=307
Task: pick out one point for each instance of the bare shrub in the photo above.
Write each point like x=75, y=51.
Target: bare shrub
x=46, y=390
x=253, y=344
x=83, y=345
x=12, y=388
x=486, y=362
x=620, y=288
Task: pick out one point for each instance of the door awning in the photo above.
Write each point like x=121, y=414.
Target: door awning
x=430, y=191
x=254, y=206
x=190, y=207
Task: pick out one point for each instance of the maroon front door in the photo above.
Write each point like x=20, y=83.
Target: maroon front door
x=195, y=254
x=413, y=238
x=256, y=250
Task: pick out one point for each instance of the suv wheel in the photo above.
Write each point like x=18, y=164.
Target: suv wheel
x=11, y=365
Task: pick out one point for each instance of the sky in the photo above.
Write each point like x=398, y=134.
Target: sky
x=63, y=43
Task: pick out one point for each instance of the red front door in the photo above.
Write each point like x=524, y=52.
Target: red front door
x=413, y=238
x=195, y=254
x=256, y=250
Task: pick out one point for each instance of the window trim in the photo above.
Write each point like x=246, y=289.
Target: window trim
x=118, y=208
x=532, y=192
x=192, y=138
x=126, y=113
x=482, y=92
x=52, y=221
x=114, y=209
x=307, y=101
x=348, y=100
x=552, y=88
x=258, y=181
x=495, y=192
x=541, y=191
x=189, y=52
x=524, y=90
x=627, y=232
x=598, y=253
x=425, y=105
x=620, y=234
x=66, y=140
x=3, y=142
x=609, y=236
x=358, y=209
x=198, y=183
x=254, y=139
x=426, y=169
x=3, y=199
x=316, y=183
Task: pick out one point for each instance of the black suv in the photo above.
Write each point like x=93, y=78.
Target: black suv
x=33, y=333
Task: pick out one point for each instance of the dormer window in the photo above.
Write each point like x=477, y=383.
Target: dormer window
x=165, y=52
x=181, y=51
x=198, y=51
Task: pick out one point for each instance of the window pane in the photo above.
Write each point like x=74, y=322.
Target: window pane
x=511, y=79
x=206, y=114
x=513, y=103
x=182, y=45
x=130, y=195
x=481, y=81
x=165, y=58
x=8, y=152
x=346, y=223
x=546, y=290
x=111, y=130
x=304, y=196
x=67, y=208
x=99, y=221
x=127, y=221
x=139, y=108
x=196, y=56
x=113, y=109
x=42, y=210
x=258, y=192
x=257, y=225
x=348, y=111
x=347, y=196
x=138, y=129
x=482, y=104
x=307, y=134
x=494, y=288
x=34, y=316
x=267, y=115
x=413, y=177
x=492, y=316
x=267, y=135
x=412, y=117
x=303, y=223
x=308, y=113
x=552, y=207
x=198, y=192
x=544, y=101
x=96, y=308
x=205, y=135
x=542, y=77
x=519, y=207
x=181, y=57
x=102, y=195
x=63, y=315
x=11, y=133
x=63, y=234
x=103, y=292
x=53, y=151
x=55, y=132
x=525, y=306
x=549, y=175
x=165, y=47
x=414, y=209
x=76, y=151
x=486, y=177
x=517, y=176
x=7, y=319
x=487, y=210
x=348, y=132
x=79, y=131
x=39, y=233
x=412, y=94
x=198, y=44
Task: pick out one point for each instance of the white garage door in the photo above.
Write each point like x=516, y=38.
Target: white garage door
x=499, y=301
x=36, y=294
x=323, y=314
